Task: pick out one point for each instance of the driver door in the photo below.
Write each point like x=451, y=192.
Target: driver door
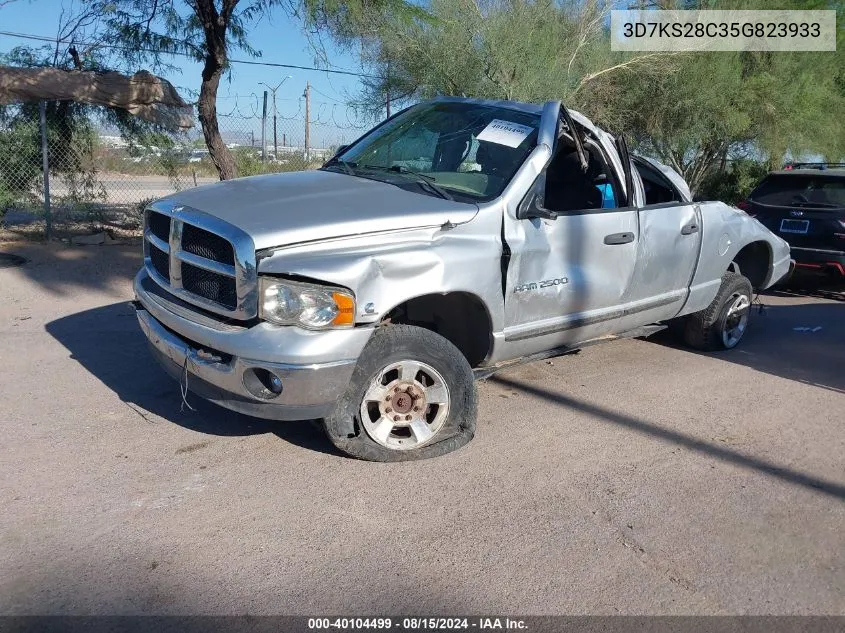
x=569, y=271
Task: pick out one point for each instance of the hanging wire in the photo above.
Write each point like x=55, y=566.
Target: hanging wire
x=53, y=40
x=183, y=386
x=323, y=94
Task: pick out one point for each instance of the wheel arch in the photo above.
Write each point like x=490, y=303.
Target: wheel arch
x=459, y=316
x=754, y=261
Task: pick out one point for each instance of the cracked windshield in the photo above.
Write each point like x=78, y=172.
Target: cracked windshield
x=471, y=151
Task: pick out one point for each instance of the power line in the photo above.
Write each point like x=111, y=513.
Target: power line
x=330, y=98
x=321, y=70
x=43, y=38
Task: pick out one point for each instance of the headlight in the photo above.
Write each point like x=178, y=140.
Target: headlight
x=311, y=306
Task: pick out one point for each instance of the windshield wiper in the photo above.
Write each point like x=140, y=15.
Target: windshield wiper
x=423, y=180
x=348, y=166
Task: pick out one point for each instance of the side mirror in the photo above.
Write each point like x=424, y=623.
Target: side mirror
x=532, y=207
x=532, y=204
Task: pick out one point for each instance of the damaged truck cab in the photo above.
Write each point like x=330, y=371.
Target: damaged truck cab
x=456, y=238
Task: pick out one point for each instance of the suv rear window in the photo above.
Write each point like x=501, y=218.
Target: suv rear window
x=809, y=189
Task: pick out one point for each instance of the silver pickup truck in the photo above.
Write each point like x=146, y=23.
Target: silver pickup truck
x=455, y=238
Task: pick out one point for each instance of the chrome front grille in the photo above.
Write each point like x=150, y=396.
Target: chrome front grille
x=201, y=259
x=160, y=261
x=159, y=225
x=204, y=244
x=214, y=286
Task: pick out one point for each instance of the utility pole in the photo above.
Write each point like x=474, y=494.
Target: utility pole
x=264, y=130
x=307, y=121
x=275, y=112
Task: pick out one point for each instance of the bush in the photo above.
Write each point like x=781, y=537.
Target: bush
x=249, y=163
x=20, y=159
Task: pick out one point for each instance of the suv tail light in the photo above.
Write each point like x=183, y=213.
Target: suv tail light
x=745, y=205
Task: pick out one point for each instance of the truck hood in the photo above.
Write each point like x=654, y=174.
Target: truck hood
x=291, y=208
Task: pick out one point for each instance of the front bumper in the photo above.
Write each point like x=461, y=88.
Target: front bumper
x=214, y=359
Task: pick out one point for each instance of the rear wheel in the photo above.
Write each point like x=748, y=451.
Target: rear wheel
x=412, y=396
x=724, y=322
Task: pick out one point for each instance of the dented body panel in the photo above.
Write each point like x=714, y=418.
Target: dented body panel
x=388, y=269
x=726, y=231
x=544, y=283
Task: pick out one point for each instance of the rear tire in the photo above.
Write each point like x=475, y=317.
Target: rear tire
x=723, y=323
x=412, y=396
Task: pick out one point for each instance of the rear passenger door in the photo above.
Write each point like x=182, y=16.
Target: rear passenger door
x=668, y=248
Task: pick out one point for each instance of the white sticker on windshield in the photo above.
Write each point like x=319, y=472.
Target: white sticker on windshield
x=505, y=133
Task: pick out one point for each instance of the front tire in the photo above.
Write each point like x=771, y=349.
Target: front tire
x=724, y=322
x=412, y=396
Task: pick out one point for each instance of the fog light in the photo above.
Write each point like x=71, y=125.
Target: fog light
x=275, y=383
x=262, y=383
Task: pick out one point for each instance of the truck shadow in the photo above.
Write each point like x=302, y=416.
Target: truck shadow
x=801, y=342
x=660, y=433
x=107, y=342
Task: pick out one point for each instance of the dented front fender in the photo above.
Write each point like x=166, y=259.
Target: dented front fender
x=387, y=269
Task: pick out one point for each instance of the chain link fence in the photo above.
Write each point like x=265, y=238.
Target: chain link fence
x=101, y=175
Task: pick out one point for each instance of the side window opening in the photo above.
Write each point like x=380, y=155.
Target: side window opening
x=568, y=188
x=657, y=189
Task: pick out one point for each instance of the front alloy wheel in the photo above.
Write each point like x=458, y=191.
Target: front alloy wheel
x=405, y=405
x=412, y=396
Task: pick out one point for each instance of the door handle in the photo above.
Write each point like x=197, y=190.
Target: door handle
x=618, y=238
x=689, y=229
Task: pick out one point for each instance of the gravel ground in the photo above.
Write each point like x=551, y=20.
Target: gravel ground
x=635, y=477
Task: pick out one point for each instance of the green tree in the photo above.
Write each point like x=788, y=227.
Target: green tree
x=529, y=50
x=693, y=111
x=210, y=30
x=716, y=106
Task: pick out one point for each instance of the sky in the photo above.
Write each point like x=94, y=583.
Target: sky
x=280, y=40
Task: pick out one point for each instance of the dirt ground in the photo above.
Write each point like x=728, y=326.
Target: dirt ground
x=636, y=477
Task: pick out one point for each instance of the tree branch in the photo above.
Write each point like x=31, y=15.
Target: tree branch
x=228, y=9
x=583, y=39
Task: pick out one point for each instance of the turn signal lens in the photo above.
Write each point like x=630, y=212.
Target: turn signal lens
x=345, y=309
